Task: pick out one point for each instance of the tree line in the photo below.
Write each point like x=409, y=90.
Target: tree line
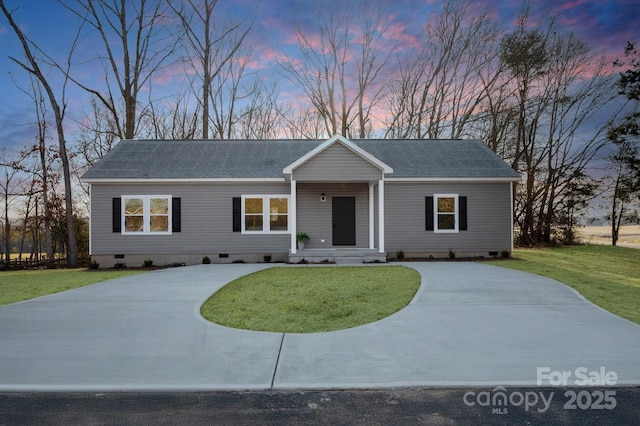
x=561, y=114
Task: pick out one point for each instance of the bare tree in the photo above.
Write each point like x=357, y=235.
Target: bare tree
x=97, y=133
x=30, y=194
x=227, y=94
x=443, y=87
x=342, y=64
x=625, y=187
x=302, y=123
x=142, y=49
x=558, y=88
x=211, y=47
x=39, y=173
x=568, y=140
x=42, y=173
x=624, y=132
x=174, y=117
x=32, y=66
x=9, y=192
x=259, y=118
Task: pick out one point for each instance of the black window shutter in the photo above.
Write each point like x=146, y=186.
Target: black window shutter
x=428, y=205
x=237, y=214
x=462, y=213
x=116, y=214
x=176, y=215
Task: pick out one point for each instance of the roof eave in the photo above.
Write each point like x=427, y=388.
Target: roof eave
x=181, y=180
x=468, y=179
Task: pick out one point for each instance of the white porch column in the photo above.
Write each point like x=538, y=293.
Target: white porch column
x=372, y=217
x=293, y=216
x=511, y=216
x=381, y=216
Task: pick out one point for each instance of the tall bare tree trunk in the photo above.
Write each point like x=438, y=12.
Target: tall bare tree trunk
x=33, y=68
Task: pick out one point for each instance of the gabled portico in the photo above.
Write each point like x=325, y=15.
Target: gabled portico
x=333, y=187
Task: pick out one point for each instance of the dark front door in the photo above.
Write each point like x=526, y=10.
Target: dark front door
x=344, y=221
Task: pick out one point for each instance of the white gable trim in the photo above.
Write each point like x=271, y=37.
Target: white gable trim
x=288, y=170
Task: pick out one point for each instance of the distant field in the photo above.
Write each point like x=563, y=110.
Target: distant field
x=629, y=235
x=27, y=256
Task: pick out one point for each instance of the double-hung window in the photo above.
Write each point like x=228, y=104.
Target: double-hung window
x=446, y=212
x=265, y=213
x=146, y=214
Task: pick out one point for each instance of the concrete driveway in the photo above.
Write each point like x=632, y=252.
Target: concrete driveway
x=470, y=324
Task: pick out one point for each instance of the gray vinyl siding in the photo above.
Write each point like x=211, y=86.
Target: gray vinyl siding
x=488, y=209
x=315, y=216
x=207, y=222
x=337, y=163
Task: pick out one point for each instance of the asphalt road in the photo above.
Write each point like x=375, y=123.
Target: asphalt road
x=408, y=406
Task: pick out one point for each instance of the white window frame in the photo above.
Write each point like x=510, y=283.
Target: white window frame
x=456, y=208
x=266, y=213
x=146, y=215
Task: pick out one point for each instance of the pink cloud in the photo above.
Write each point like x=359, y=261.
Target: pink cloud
x=173, y=73
x=569, y=5
x=273, y=26
x=269, y=55
x=405, y=40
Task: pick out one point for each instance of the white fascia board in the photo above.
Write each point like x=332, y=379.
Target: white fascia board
x=386, y=169
x=182, y=180
x=454, y=179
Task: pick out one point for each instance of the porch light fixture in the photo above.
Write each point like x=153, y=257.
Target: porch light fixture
x=323, y=197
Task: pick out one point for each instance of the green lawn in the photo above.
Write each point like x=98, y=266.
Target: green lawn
x=312, y=299
x=608, y=276
x=16, y=286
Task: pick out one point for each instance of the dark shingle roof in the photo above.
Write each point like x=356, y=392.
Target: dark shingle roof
x=175, y=159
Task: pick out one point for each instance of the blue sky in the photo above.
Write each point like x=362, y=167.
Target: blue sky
x=605, y=25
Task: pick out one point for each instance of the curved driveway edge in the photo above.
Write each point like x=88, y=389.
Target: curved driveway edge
x=471, y=324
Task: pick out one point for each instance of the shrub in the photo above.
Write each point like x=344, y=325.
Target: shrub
x=400, y=255
x=94, y=265
x=206, y=260
x=302, y=237
x=267, y=258
x=148, y=262
x=452, y=254
x=505, y=253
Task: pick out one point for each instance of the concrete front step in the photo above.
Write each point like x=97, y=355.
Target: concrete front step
x=339, y=257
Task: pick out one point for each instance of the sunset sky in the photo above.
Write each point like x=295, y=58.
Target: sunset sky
x=606, y=25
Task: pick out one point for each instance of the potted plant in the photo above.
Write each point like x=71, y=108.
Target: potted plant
x=301, y=238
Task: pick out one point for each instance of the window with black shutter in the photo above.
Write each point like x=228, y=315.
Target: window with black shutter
x=116, y=220
x=428, y=201
x=176, y=215
x=237, y=214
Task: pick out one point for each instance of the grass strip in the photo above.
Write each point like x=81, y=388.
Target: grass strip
x=16, y=286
